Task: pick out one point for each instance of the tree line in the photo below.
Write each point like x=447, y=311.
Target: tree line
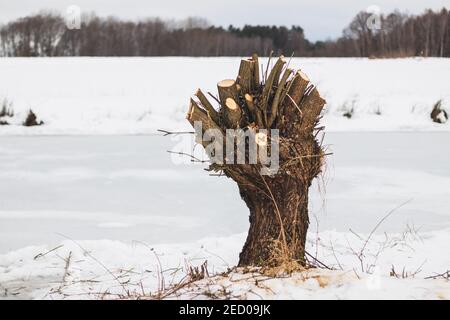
x=394, y=35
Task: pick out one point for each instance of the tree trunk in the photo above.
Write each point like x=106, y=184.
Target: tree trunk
x=265, y=241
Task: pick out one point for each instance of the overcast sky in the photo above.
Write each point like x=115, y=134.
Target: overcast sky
x=321, y=19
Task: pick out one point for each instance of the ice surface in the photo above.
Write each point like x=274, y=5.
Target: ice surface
x=128, y=188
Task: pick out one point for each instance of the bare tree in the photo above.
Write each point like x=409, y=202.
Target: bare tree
x=401, y=35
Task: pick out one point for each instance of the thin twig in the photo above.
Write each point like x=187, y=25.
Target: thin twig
x=193, y=158
x=317, y=260
x=445, y=275
x=380, y=222
x=295, y=104
x=335, y=256
x=40, y=255
x=267, y=67
x=214, y=97
x=98, y=261
x=166, y=132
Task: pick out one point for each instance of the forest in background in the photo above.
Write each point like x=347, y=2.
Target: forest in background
x=397, y=35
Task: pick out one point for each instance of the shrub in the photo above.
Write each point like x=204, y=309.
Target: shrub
x=6, y=109
x=438, y=114
x=31, y=120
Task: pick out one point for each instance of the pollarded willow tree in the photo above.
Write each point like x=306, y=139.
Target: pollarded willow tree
x=279, y=110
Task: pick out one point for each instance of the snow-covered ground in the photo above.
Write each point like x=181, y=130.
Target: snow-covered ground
x=140, y=95
x=397, y=266
x=92, y=205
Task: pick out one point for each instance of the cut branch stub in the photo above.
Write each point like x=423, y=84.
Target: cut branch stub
x=195, y=113
x=291, y=100
x=231, y=110
x=246, y=74
x=250, y=103
x=213, y=114
x=299, y=85
x=311, y=107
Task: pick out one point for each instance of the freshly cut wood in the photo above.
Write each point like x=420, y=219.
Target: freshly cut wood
x=208, y=106
x=195, y=113
x=231, y=104
x=250, y=103
x=227, y=89
x=228, y=95
x=232, y=113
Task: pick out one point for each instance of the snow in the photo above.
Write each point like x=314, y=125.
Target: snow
x=141, y=95
x=92, y=206
x=106, y=269
x=442, y=117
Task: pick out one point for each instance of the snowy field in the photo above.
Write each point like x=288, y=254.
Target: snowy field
x=140, y=95
x=92, y=205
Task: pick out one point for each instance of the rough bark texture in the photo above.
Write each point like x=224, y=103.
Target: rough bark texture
x=264, y=242
x=278, y=203
x=213, y=114
x=246, y=74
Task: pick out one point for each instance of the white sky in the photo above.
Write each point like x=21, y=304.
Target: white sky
x=321, y=19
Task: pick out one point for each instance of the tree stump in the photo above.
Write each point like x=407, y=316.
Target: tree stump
x=279, y=109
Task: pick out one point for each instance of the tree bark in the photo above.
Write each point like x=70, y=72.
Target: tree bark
x=246, y=75
x=265, y=241
x=213, y=114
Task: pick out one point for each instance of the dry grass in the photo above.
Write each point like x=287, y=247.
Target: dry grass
x=281, y=261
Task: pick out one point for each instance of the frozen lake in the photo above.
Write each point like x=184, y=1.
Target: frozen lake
x=127, y=188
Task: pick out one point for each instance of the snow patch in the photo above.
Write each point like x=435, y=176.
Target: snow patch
x=399, y=266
